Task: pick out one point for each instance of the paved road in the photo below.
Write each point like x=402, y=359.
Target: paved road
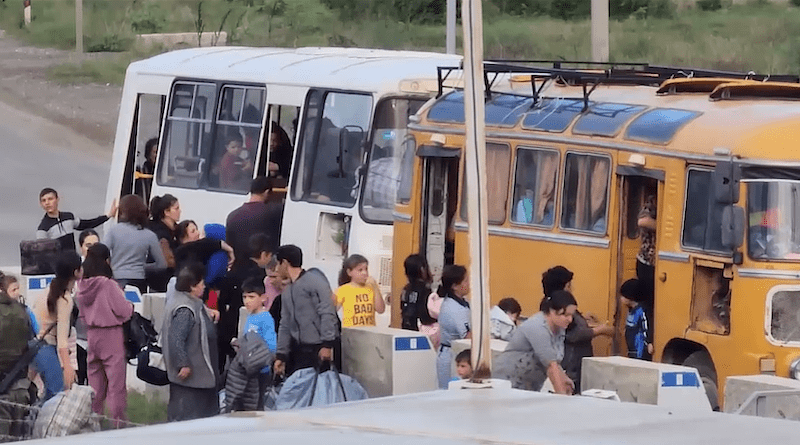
x=37, y=153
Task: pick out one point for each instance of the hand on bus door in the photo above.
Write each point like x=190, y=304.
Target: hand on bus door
x=112, y=212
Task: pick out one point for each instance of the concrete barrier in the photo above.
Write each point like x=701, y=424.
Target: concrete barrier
x=180, y=39
x=780, y=397
x=640, y=381
x=388, y=361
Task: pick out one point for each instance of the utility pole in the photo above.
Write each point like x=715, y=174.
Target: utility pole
x=477, y=202
x=599, y=30
x=79, y=26
x=26, y=12
x=451, y=27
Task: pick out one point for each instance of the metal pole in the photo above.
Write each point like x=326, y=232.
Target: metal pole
x=477, y=203
x=451, y=26
x=79, y=26
x=26, y=12
x=600, y=30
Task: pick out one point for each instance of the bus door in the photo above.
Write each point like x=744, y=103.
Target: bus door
x=140, y=161
x=277, y=147
x=637, y=185
x=440, y=182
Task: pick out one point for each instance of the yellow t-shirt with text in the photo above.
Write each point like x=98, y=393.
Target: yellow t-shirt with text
x=358, y=305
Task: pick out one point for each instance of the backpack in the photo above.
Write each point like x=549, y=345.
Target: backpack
x=255, y=354
x=38, y=257
x=139, y=332
x=15, y=332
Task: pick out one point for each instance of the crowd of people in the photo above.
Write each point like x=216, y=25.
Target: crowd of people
x=293, y=310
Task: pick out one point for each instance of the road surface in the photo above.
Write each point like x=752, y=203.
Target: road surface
x=37, y=153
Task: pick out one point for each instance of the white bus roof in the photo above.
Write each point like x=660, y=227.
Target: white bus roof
x=478, y=416
x=344, y=68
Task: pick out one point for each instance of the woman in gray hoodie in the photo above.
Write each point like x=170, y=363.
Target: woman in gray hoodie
x=103, y=309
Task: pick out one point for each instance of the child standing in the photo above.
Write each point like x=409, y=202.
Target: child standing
x=10, y=285
x=261, y=322
x=464, y=364
x=638, y=335
x=358, y=293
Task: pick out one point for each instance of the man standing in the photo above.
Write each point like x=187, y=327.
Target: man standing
x=62, y=225
x=309, y=324
x=256, y=216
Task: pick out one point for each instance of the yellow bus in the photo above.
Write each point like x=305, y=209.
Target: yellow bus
x=572, y=155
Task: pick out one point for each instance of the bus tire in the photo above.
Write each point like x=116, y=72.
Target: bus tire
x=701, y=361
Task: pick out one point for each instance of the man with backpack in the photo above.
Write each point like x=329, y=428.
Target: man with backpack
x=15, y=333
x=309, y=325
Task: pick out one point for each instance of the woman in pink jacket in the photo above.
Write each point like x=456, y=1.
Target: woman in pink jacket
x=103, y=307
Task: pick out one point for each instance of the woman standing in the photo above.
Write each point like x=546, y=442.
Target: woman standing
x=131, y=244
x=53, y=313
x=189, y=341
x=454, y=317
x=165, y=212
x=103, y=308
x=536, y=349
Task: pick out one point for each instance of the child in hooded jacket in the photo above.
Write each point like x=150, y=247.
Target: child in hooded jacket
x=104, y=309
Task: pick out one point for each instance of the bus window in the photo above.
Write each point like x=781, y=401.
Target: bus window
x=239, y=118
x=702, y=217
x=498, y=160
x=774, y=212
x=330, y=151
x=282, y=130
x=534, y=187
x=188, y=133
x=389, y=135
x=585, y=195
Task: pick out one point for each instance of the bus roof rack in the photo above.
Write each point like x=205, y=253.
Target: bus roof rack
x=591, y=74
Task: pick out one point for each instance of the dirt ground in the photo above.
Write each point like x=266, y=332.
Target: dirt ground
x=90, y=109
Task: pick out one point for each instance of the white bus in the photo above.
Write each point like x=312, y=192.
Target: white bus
x=345, y=113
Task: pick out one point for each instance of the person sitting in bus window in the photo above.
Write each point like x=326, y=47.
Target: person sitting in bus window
x=280, y=152
x=234, y=168
x=524, y=209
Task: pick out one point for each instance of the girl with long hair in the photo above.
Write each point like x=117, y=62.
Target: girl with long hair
x=104, y=309
x=53, y=360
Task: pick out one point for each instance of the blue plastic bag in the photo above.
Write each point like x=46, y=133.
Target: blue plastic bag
x=308, y=387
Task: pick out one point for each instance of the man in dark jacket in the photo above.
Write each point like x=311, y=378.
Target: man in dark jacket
x=309, y=324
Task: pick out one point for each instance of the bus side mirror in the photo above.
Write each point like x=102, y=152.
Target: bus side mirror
x=726, y=177
x=733, y=227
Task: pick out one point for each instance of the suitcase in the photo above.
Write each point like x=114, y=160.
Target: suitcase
x=38, y=257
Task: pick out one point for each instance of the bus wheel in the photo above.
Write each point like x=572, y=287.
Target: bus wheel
x=701, y=361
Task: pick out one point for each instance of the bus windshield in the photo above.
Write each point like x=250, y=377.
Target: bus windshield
x=390, y=141
x=773, y=216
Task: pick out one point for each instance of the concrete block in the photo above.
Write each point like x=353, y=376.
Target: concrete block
x=181, y=39
x=152, y=392
x=640, y=381
x=739, y=388
x=388, y=361
x=153, y=308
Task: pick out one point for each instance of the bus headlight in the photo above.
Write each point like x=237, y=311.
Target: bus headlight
x=794, y=369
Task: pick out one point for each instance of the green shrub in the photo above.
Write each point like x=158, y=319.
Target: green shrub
x=570, y=9
x=795, y=2
x=712, y=5
x=107, y=43
x=149, y=19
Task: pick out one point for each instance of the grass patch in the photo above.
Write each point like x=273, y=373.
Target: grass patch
x=144, y=411
x=754, y=36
